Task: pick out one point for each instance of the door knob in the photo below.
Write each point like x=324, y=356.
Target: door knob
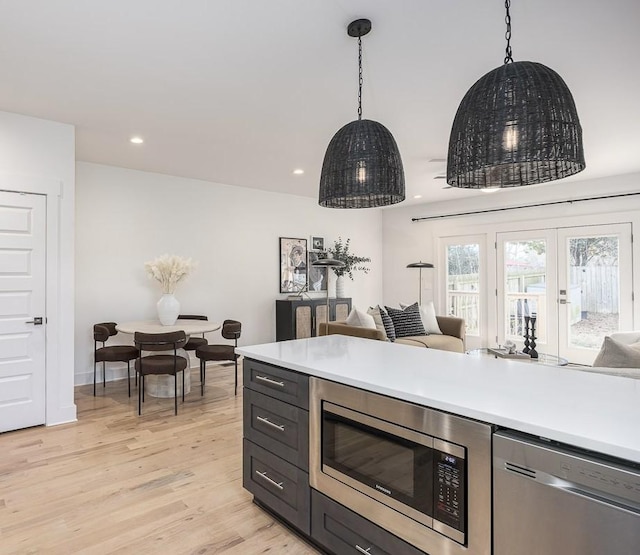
x=37, y=321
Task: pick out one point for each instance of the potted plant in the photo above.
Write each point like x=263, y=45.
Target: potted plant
x=352, y=263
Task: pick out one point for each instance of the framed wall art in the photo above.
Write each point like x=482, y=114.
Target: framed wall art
x=317, y=243
x=317, y=274
x=293, y=265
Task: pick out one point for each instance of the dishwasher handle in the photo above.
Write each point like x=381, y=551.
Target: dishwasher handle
x=572, y=488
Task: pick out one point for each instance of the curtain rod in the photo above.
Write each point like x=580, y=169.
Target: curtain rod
x=550, y=203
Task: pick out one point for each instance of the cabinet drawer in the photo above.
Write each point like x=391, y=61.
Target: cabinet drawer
x=278, y=427
x=342, y=531
x=277, y=382
x=277, y=484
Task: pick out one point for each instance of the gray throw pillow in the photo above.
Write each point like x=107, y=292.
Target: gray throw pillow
x=614, y=354
x=406, y=322
x=388, y=325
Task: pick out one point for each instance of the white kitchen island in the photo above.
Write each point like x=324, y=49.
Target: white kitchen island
x=592, y=411
x=525, y=458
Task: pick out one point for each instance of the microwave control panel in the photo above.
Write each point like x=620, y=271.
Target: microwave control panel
x=449, y=490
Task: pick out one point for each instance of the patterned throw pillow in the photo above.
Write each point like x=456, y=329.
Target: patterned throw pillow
x=388, y=325
x=377, y=318
x=406, y=322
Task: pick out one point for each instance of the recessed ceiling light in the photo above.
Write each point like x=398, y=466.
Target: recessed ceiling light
x=417, y=196
x=298, y=172
x=136, y=140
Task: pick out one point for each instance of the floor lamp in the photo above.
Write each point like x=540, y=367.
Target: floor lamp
x=420, y=265
x=328, y=263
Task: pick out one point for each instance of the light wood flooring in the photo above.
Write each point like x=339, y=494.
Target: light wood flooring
x=116, y=482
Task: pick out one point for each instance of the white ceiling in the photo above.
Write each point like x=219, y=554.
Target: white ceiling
x=244, y=91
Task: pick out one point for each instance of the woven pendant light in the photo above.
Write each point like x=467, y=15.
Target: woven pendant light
x=517, y=125
x=362, y=167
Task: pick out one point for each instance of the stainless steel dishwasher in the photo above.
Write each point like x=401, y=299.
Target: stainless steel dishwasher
x=551, y=499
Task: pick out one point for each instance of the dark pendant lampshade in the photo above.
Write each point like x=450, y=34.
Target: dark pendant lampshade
x=362, y=168
x=517, y=125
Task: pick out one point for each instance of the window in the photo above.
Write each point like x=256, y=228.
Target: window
x=463, y=283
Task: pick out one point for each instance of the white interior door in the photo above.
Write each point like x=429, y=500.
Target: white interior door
x=22, y=301
x=594, y=288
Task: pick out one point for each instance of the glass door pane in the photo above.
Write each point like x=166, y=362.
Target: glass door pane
x=595, y=288
x=463, y=284
x=526, y=287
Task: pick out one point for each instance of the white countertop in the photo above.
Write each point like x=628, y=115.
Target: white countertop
x=594, y=411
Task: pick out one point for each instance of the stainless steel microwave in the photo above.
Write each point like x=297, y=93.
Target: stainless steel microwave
x=422, y=474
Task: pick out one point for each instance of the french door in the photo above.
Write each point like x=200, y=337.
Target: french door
x=576, y=282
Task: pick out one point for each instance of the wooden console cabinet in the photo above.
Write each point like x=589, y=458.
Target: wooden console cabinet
x=298, y=319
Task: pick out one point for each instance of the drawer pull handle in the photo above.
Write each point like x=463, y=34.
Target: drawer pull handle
x=269, y=423
x=264, y=476
x=269, y=380
x=363, y=550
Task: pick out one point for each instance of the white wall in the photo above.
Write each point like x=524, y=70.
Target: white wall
x=407, y=241
x=126, y=217
x=38, y=156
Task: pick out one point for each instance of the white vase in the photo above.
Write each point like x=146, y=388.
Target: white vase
x=168, y=309
x=340, y=287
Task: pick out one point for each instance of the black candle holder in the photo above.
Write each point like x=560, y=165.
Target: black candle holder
x=532, y=351
x=526, y=335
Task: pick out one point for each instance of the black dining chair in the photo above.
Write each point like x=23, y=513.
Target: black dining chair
x=112, y=353
x=160, y=363
x=231, y=329
x=194, y=342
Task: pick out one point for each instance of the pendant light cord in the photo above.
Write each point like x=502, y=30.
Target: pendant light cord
x=359, y=78
x=507, y=19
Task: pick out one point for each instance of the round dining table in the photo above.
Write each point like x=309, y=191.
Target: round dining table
x=161, y=385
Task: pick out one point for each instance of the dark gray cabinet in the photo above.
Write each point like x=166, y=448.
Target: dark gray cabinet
x=275, y=466
x=298, y=319
x=340, y=530
x=276, y=441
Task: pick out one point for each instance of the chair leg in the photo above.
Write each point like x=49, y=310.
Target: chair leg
x=95, y=364
x=235, y=391
x=129, y=377
x=183, y=385
x=140, y=390
x=175, y=391
x=202, y=373
x=104, y=376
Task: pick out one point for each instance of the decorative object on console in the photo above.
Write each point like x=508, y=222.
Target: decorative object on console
x=532, y=343
x=293, y=265
x=362, y=167
x=351, y=263
x=420, y=265
x=333, y=264
x=526, y=335
x=169, y=270
x=510, y=347
x=517, y=125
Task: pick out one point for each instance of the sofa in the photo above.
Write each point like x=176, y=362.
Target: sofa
x=452, y=338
